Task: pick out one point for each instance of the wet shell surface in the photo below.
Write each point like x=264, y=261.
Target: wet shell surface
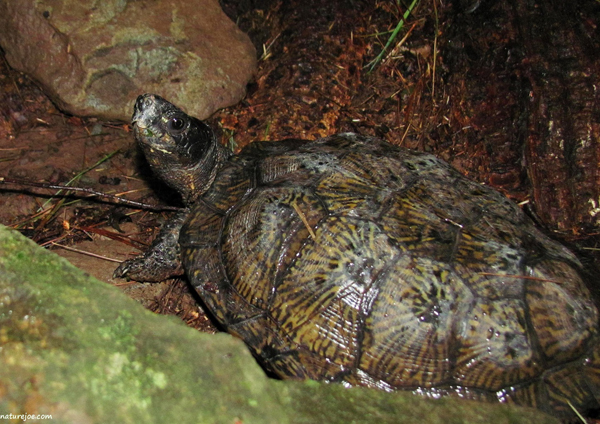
x=348, y=259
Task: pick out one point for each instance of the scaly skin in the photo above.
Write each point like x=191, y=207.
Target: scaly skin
x=184, y=152
x=162, y=260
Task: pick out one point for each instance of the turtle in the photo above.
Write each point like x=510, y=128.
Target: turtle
x=348, y=259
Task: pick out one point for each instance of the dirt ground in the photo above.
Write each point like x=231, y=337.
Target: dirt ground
x=314, y=79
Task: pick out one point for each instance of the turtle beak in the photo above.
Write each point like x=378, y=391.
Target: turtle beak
x=143, y=105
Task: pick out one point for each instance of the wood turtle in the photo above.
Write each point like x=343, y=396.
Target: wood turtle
x=346, y=259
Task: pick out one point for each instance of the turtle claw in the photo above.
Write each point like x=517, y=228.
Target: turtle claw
x=161, y=261
x=125, y=269
x=148, y=268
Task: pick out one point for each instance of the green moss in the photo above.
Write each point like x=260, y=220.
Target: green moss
x=98, y=351
x=80, y=350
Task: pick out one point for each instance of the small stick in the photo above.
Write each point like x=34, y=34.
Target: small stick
x=304, y=220
x=85, y=252
x=576, y=412
x=524, y=277
x=90, y=193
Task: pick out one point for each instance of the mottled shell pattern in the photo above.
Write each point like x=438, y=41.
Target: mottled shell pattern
x=348, y=259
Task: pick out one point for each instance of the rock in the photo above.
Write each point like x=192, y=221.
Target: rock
x=94, y=58
x=80, y=350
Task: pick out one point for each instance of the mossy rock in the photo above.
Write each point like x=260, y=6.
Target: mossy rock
x=80, y=350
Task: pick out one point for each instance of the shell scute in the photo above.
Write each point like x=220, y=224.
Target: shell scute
x=337, y=274
x=409, y=331
x=261, y=237
x=346, y=259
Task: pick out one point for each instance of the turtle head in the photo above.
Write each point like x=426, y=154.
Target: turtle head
x=182, y=150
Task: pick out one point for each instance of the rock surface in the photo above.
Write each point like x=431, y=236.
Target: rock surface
x=93, y=58
x=80, y=350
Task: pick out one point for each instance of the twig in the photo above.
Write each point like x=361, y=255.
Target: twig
x=90, y=193
x=85, y=252
x=266, y=49
x=583, y=420
x=304, y=220
x=85, y=171
x=524, y=277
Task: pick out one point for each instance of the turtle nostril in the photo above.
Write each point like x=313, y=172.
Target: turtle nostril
x=144, y=102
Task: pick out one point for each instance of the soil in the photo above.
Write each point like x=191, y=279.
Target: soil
x=316, y=77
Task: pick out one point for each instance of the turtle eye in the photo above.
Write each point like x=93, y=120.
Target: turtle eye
x=176, y=125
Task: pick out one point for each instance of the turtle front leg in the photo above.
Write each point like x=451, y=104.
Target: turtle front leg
x=162, y=260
